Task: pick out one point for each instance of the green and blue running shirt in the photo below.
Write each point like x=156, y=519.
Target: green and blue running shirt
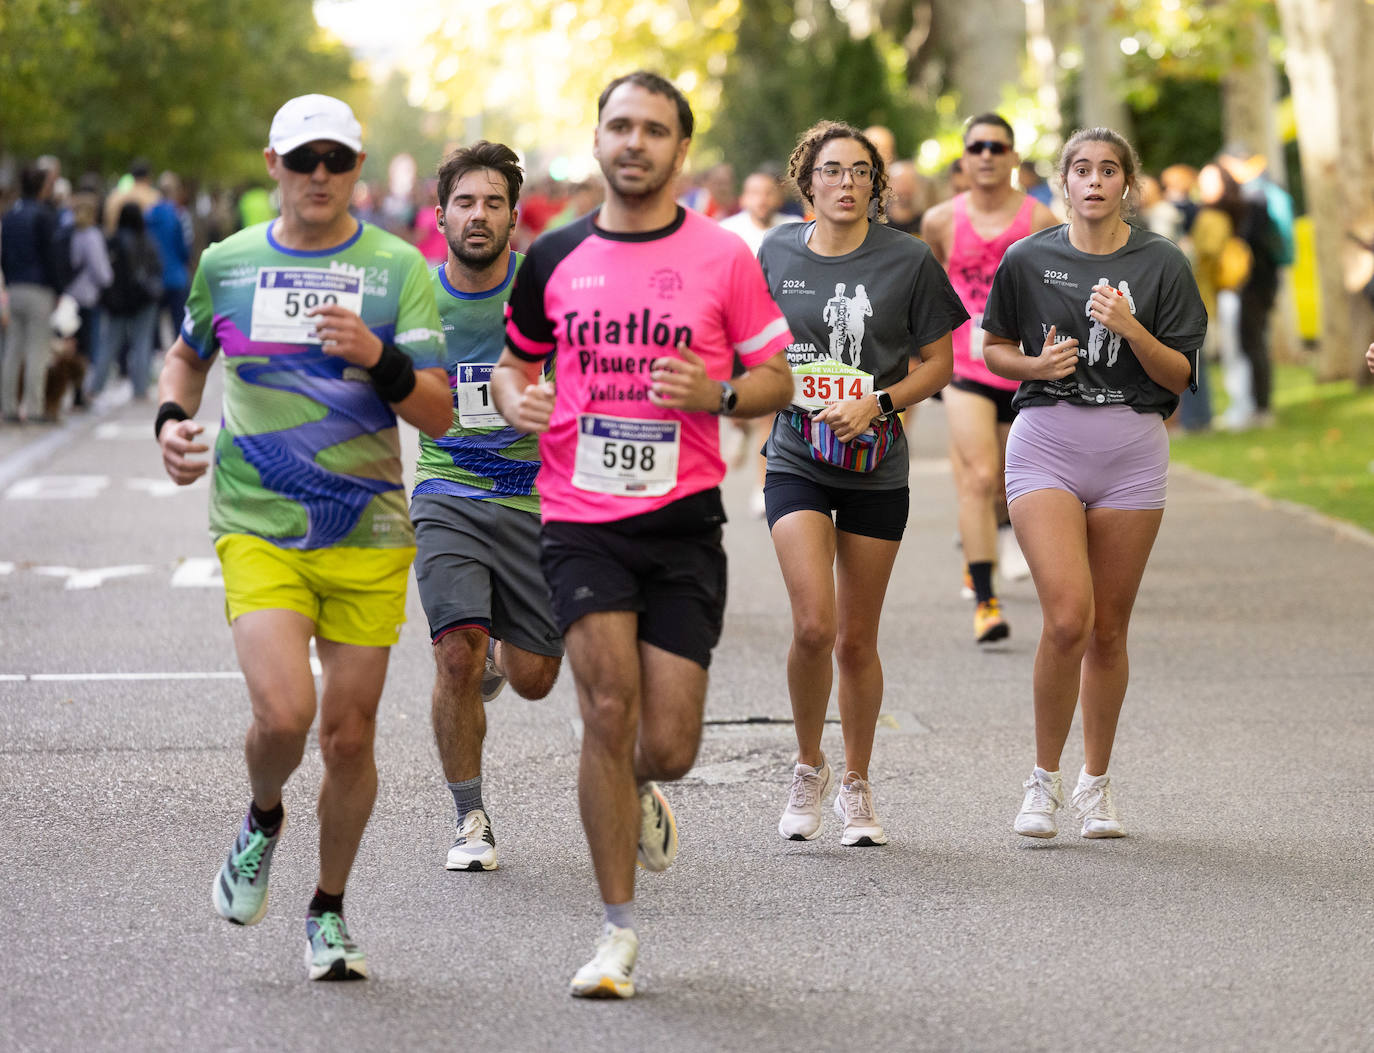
x=308, y=454
x=481, y=456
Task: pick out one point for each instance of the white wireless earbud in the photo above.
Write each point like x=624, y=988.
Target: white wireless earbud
x=1124, y=193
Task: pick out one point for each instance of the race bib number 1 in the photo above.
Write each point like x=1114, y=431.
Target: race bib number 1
x=475, y=406
x=282, y=295
x=625, y=456
x=817, y=384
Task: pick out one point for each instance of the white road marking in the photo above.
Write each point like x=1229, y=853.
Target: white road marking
x=47, y=678
x=125, y=431
x=198, y=572
x=92, y=579
x=57, y=487
x=162, y=487
x=35, y=453
x=6, y=568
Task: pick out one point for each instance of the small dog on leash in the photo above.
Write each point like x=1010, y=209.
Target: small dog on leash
x=66, y=371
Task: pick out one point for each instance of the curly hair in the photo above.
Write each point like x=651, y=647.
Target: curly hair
x=1125, y=156
x=803, y=160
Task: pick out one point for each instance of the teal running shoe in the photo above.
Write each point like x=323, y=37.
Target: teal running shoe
x=330, y=953
x=240, y=890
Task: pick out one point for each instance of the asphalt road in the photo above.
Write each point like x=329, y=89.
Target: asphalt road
x=1236, y=916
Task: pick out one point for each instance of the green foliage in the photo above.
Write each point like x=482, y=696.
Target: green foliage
x=394, y=126
x=188, y=84
x=1190, y=39
x=785, y=74
x=530, y=74
x=1317, y=454
x=1182, y=124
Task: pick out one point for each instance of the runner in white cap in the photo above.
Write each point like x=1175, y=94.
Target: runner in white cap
x=329, y=333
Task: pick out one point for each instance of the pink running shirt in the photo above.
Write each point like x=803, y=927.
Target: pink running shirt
x=972, y=264
x=606, y=305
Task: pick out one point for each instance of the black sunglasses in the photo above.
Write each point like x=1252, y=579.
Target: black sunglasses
x=305, y=160
x=992, y=146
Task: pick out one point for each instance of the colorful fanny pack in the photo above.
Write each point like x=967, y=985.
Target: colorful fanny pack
x=863, y=454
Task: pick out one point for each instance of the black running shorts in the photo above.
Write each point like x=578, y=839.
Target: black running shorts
x=997, y=396
x=868, y=513
x=668, y=566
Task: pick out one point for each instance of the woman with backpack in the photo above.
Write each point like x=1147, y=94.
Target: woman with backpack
x=129, y=304
x=1221, y=264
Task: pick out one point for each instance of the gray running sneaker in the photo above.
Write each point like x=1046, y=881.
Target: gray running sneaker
x=492, y=681
x=657, y=829
x=330, y=953
x=240, y=890
x=475, y=848
x=801, y=819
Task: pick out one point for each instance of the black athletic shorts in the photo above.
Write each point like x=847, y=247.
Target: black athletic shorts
x=868, y=513
x=668, y=566
x=997, y=396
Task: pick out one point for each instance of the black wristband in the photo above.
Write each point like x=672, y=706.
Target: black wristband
x=394, y=374
x=168, y=411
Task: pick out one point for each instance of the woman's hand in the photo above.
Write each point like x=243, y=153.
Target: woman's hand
x=1109, y=307
x=849, y=418
x=1058, y=358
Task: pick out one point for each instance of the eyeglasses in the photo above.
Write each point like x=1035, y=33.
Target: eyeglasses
x=833, y=174
x=992, y=146
x=305, y=160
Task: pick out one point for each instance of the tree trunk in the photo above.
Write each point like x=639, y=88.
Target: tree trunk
x=1335, y=138
x=984, y=44
x=1045, y=74
x=1099, y=86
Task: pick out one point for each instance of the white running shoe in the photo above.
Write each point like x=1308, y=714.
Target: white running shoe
x=1044, y=796
x=966, y=591
x=854, y=808
x=758, y=504
x=475, y=848
x=1092, y=803
x=801, y=819
x=657, y=829
x=607, y=975
x=1011, y=564
x=492, y=681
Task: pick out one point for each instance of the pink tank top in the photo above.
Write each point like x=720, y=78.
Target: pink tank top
x=972, y=264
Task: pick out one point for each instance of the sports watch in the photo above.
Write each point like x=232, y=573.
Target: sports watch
x=885, y=407
x=728, y=399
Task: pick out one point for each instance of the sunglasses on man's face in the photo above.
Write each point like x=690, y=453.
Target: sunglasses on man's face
x=304, y=160
x=991, y=146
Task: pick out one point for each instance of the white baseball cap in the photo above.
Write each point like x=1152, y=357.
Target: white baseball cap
x=309, y=117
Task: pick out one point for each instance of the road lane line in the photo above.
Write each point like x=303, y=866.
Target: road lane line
x=34, y=678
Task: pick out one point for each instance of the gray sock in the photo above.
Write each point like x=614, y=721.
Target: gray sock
x=621, y=915
x=467, y=796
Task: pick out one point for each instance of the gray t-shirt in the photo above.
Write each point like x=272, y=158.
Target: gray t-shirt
x=872, y=309
x=1044, y=281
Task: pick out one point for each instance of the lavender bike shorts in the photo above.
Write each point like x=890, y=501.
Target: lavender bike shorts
x=1106, y=456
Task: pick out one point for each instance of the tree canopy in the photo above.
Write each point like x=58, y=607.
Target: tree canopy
x=187, y=84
